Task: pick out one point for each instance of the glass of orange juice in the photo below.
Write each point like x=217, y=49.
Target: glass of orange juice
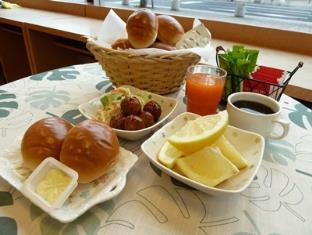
x=204, y=88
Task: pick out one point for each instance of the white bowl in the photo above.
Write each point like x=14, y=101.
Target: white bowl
x=250, y=145
x=29, y=187
x=168, y=105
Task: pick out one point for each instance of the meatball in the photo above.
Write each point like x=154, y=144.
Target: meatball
x=130, y=105
x=118, y=121
x=147, y=118
x=154, y=108
x=133, y=122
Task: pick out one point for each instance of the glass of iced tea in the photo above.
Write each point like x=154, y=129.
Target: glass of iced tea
x=204, y=88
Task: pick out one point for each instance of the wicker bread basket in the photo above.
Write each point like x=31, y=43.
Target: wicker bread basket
x=158, y=73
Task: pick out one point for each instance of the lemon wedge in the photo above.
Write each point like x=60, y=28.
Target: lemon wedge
x=206, y=166
x=168, y=154
x=196, y=134
x=230, y=152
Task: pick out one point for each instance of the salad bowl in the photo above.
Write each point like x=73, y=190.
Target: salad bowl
x=167, y=104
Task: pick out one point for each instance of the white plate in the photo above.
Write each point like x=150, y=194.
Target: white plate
x=84, y=196
x=168, y=105
x=250, y=145
x=39, y=174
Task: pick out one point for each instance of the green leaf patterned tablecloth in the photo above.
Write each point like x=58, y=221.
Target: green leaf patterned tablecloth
x=278, y=201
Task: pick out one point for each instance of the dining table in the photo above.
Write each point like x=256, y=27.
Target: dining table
x=277, y=201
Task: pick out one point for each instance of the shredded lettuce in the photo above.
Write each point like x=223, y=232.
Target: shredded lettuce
x=105, y=100
x=115, y=96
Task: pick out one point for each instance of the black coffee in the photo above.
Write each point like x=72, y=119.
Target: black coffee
x=253, y=107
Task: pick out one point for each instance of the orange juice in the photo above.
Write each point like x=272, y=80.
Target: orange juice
x=203, y=92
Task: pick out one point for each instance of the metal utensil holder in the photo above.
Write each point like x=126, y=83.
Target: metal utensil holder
x=254, y=85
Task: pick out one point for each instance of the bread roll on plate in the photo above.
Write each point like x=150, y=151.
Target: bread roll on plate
x=44, y=139
x=90, y=148
x=142, y=26
x=170, y=31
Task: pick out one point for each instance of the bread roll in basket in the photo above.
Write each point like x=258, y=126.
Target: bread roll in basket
x=153, y=70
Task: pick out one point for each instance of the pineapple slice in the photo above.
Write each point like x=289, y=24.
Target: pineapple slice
x=230, y=152
x=207, y=166
x=168, y=155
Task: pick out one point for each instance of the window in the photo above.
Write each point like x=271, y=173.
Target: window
x=290, y=10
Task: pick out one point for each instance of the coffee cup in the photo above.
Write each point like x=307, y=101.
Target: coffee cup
x=257, y=113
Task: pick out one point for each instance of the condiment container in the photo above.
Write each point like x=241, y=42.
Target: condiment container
x=57, y=179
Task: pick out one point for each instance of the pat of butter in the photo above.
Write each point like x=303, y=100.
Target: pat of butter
x=50, y=184
x=53, y=185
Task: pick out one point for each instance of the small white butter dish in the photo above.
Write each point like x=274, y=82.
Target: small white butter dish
x=46, y=169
